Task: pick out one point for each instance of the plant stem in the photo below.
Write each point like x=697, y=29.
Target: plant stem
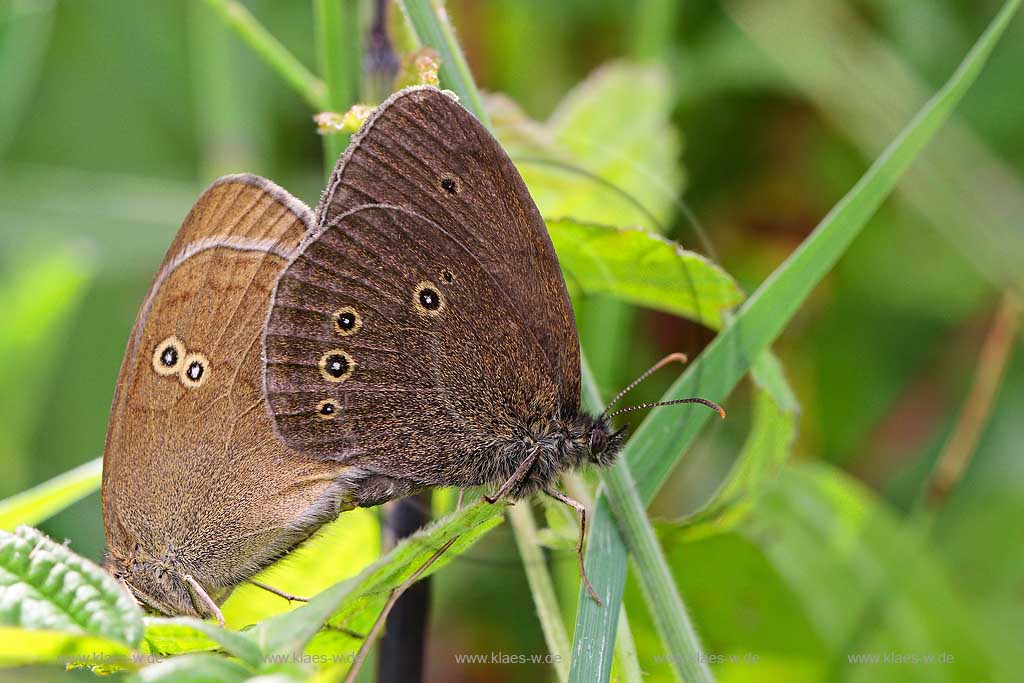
x=537, y=575
x=670, y=615
x=430, y=23
x=995, y=353
x=276, y=55
x=338, y=54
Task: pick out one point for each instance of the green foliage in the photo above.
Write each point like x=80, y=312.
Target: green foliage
x=37, y=298
x=849, y=577
x=803, y=568
x=45, y=586
x=656, y=446
x=642, y=268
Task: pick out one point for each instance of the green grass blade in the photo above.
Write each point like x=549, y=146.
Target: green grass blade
x=520, y=516
x=270, y=49
x=427, y=18
x=659, y=442
x=41, y=502
x=339, y=54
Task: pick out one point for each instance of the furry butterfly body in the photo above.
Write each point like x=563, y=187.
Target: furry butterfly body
x=285, y=366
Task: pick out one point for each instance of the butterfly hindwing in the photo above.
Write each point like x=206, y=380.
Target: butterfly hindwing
x=189, y=422
x=434, y=362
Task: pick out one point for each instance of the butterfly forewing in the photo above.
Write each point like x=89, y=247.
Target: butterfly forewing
x=424, y=152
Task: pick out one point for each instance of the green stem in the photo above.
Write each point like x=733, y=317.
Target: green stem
x=276, y=55
x=338, y=54
x=543, y=590
x=430, y=23
x=670, y=615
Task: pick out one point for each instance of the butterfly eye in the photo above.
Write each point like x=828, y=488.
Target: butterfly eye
x=427, y=299
x=347, y=321
x=449, y=185
x=336, y=365
x=167, y=356
x=195, y=370
x=328, y=409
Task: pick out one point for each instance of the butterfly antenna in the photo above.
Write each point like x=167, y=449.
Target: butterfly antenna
x=703, y=401
x=670, y=358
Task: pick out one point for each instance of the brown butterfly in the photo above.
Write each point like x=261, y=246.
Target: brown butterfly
x=284, y=367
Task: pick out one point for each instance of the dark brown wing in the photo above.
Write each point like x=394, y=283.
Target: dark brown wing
x=391, y=345
x=424, y=152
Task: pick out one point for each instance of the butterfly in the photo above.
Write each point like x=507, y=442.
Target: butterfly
x=287, y=365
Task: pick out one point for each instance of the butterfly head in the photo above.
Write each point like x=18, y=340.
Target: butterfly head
x=159, y=585
x=604, y=443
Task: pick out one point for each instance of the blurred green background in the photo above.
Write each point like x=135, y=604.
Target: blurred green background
x=114, y=116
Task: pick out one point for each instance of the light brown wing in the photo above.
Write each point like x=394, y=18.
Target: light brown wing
x=191, y=468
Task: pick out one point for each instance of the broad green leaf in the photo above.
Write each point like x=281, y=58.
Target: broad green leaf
x=45, y=500
x=198, y=668
x=165, y=637
x=599, y=130
x=339, y=550
x=642, y=268
x=176, y=631
x=353, y=604
x=44, y=585
x=21, y=646
x=659, y=442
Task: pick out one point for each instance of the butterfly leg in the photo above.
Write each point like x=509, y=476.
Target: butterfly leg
x=462, y=495
x=204, y=598
x=277, y=591
x=578, y=506
x=515, y=479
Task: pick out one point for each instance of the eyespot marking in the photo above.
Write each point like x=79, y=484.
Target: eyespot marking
x=194, y=371
x=347, y=321
x=447, y=276
x=336, y=365
x=167, y=356
x=449, y=184
x=327, y=409
x=427, y=299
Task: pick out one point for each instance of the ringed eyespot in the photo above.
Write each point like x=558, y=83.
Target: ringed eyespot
x=327, y=409
x=194, y=371
x=347, y=321
x=167, y=356
x=449, y=184
x=447, y=276
x=427, y=299
x=336, y=365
